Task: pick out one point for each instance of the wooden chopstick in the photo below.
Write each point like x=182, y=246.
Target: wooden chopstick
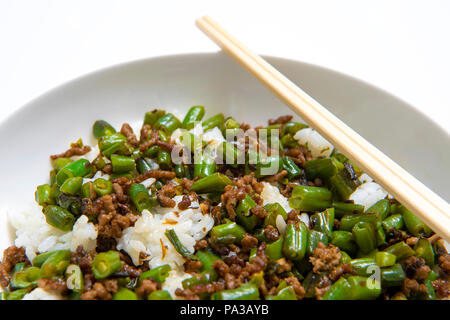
x=423, y=202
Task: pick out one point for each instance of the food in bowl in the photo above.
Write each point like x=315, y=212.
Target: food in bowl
x=215, y=209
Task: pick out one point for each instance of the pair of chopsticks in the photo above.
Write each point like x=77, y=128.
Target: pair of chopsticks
x=423, y=202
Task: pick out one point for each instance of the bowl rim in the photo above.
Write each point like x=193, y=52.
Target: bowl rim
x=188, y=55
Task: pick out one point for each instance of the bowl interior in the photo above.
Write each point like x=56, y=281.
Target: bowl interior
x=124, y=93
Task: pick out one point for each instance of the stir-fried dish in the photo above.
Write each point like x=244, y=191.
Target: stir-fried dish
x=216, y=209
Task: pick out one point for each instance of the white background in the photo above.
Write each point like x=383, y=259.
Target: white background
x=400, y=46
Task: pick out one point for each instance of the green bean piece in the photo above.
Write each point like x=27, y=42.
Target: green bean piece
x=215, y=121
x=322, y=168
x=342, y=185
x=394, y=221
x=140, y=197
x=181, y=249
x=74, y=278
x=362, y=266
x=159, y=274
x=340, y=290
x=286, y=293
x=39, y=260
x=314, y=237
x=244, y=216
x=253, y=254
x=350, y=220
x=244, y=292
x=3, y=295
x=125, y=294
x=207, y=258
x=17, y=294
x=307, y=198
x=105, y=264
x=345, y=258
x=79, y=168
x=19, y=280
x=231, y=123
x=71, y=185
x=60, y=163
x=401, y=250
x=380, y=234
x=180, y=170
x=142, y=165
x=293, y=171
x=295, y=241
x=43, y=195
x=431, y=294
x=205, y=168
x=343, y=208
x=310, y=283
x=381, y=208
x=164, y=159
x=344, y=241
x=324, y=221
x=52, y=177
x=288, y=141
x=273, y=211
x=33, y=274
x=58, y=217
x=364, y=235
x=361, y=289
x=274, y=250
x=385, y=259
x=122, y=164
x=152, y=152
x=268, y=165
x=55, y=265
x=213, y=183
x=151, y=117
x=86, y=190
x=160, y=295
x=414, y=225
x=167, y=123
x=115, y=143
x=227, y=233
x=229, y=154
x=102, y=187
x=292, y=128
x=424, y=249
x=102, y=128
x=194, y=114
x=198, y=278
x=392, y=276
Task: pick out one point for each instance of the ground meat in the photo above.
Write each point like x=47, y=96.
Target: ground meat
x=259, y=211
x=248, y=242
x=11, y=256
x=283, y=265
x=280, y=120
x=271, y=233
x=105, y=243
x=276, y=177
x=165, y=145
x=201, y=244
x=145, y=131
x=339, y=270
x=411, y=286
x=415, y=268
x=292, y=217
x=74, y=150
x=107, y=168
x=157, y=174
x=58, y=285
x=249, y=183
x=411, y=241
x=229, y=199
x=298, y=288
x=444, y=263
x=154, y=137
x=442, y=288
x=98, y=292
x=184, y=203
x=165, y=194
x=186, y=183
x=82, y=259
x=130, y=270
x=111, y=225
x=192, y=266
x=221, y=268
x=324, y=258
x=146, y=287
x=299, y=155
x=121, y=196
x=127, y=131
x=4, y=277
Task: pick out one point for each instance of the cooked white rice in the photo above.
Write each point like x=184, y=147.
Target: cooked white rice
x=314, y=142
x=41, y=294
x=271, y=194
x=368, y=194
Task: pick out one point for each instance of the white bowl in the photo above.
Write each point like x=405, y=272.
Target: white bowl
x=125, y=92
